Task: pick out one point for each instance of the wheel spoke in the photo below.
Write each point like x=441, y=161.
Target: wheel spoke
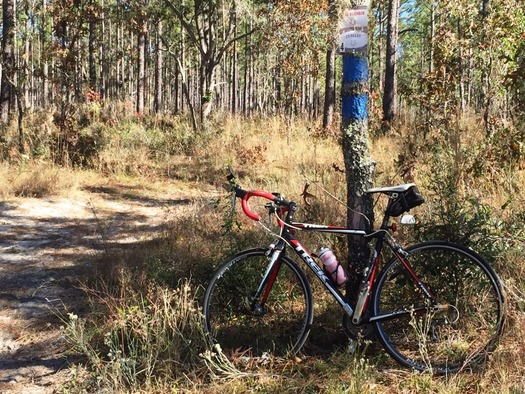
x=280, y=326
x=464, y=325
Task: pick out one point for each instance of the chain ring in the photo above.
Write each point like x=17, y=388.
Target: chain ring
x=358, y=333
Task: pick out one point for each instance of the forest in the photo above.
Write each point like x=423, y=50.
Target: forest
x=149, y=92
x=258, y=58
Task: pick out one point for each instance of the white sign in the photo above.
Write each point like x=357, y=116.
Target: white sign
x=354, y=19
x=353, y=29
x=352, y=40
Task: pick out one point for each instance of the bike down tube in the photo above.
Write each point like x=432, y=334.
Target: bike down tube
x=366, y=284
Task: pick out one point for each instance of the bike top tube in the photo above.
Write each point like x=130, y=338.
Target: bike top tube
x=285, y=206
x=286, y=209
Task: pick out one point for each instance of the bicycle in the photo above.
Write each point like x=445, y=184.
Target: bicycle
x=434, y=306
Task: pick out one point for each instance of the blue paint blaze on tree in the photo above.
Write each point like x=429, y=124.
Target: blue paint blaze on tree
x=358, y=164
x=355, y=78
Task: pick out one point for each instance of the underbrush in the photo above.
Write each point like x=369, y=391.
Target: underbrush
x=30, y=179
x=142, y=336
x=144, y=332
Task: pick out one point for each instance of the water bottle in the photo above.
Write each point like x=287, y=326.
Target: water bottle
x=332, y=266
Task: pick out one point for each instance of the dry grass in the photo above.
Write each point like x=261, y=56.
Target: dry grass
x=35, y=179
x=284, y=155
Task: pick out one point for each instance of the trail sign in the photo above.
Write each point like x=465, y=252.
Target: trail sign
x=353, y=30
x=353, y=40
x=355, y=18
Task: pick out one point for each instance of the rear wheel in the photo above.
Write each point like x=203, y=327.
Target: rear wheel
x=460, y=333
x=237, y=324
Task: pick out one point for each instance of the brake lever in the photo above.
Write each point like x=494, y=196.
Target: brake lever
x=271, y=210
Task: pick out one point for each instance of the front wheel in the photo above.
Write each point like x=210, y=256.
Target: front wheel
x=240, y=324
x=457, y=331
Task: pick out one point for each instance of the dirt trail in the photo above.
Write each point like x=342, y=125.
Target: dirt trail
x=46, y=245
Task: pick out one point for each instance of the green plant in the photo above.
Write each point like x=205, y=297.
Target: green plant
x=455, y=216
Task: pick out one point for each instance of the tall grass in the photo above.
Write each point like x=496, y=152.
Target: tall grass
x=34, y=179
x=144, y=336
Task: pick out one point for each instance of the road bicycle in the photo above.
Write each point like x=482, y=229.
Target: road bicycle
x=434, y=306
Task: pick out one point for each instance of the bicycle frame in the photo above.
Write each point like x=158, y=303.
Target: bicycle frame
x=357, y=314
x=287, y=237
x=451, y=320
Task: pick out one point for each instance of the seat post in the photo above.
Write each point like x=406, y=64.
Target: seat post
x=386, y=216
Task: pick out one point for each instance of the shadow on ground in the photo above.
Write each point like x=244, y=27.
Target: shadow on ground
x=47, y=248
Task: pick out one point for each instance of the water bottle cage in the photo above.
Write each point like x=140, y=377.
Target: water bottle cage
x=336, y=269
x=333, y=274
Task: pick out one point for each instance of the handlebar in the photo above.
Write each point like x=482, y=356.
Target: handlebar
x=245, y=195
x=257, y=193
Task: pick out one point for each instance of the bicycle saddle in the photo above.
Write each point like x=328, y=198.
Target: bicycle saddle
x=391, y=189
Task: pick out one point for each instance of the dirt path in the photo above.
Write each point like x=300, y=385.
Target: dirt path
x=46, y=245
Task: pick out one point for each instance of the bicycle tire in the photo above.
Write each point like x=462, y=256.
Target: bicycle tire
x=446, y=342
x=230, y=322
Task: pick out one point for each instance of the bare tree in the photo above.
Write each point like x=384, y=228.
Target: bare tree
x=141, y=71
x=211, y=28
x=159, y=58
x=390, y=88
x=7, y=88
x=329, y=91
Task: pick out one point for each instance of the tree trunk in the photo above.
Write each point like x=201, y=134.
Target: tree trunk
x=207, y=84
x=358, y=165
x=157, y=105
x=141, y=72
x=182, y=68
x=329, y=93
x=91, y=55
x=486, y=98
x=105, y=51
x=7, y=91
x=461, y=80
x=27, y=59
x=390, y=89
x=432, y=34
x=234, y=77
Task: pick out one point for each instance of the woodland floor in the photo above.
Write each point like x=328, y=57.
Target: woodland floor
x=46, y=247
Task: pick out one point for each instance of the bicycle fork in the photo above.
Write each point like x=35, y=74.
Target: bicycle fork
x=268, y=279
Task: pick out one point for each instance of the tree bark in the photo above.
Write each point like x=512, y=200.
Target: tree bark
x=7, y=93
x=329, y=93
x=390, y=89
x=157, y=105
x=91, y=55
x=141, y=72
x=105, y=51
x=486, y=97
x=358, y=165
x=234, y=76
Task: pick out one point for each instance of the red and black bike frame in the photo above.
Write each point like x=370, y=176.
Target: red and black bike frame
x=285, y=211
